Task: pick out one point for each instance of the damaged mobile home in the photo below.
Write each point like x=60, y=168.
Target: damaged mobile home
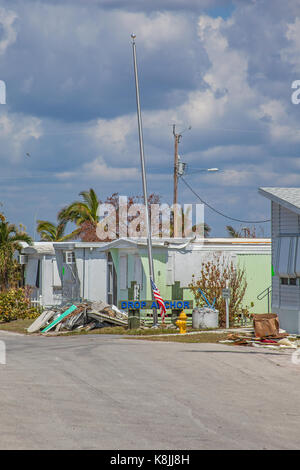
x=117, y=271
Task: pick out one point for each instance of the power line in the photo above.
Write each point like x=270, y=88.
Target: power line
x=221, y=213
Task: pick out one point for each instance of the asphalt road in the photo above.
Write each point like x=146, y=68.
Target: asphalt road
x=102, y=392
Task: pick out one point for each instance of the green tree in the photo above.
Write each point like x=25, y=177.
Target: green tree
x=54, y=232
x=81, y=211
x=232, y=232
x=10, y=238
x=243, y=232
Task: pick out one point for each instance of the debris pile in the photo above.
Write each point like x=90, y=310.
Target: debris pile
x=266, y=333
x=85, y=315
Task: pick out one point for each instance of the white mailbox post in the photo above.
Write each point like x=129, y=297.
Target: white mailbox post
x=226, y=296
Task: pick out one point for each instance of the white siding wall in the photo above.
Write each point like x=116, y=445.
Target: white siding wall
x=46, y=286
x=96, y=269
x=191, y=263
x=92, y=273
x=289, y=297
x=275, y=291
x=288, y=221
x=275, y=209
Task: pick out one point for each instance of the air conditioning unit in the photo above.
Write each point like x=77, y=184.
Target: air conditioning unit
x=23, y=259
x=69, y=257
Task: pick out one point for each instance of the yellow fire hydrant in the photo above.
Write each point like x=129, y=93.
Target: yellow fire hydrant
x=181, y=323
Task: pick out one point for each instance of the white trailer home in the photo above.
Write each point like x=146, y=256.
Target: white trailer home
x=41, y=273
x=285, y=226
x=59, y=272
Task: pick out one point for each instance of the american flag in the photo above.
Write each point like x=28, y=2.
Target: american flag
x=159, y=300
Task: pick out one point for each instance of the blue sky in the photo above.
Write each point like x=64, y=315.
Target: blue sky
x=225, y=68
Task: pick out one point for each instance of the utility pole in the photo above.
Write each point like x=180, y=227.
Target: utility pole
x=176, y=142
x=175, y=196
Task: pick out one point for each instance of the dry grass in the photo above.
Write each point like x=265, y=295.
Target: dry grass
x=120, y=330
x=16, y=326
x=201, y=338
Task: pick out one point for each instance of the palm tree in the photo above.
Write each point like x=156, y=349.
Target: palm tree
x=54, y=233
x=10, y=238
x=207, y=230
x=249, y=232
x=81, y=211
x=232, y=232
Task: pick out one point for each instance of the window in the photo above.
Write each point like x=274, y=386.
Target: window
x=285, y=281
x=69, y=257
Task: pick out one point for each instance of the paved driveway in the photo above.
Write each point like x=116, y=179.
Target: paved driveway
x=103, y=392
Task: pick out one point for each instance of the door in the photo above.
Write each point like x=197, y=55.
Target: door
x=111, y=281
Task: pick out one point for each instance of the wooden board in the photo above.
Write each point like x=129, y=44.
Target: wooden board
x=40, y=321
x=59, y=319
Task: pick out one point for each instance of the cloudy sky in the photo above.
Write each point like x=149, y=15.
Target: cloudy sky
x=223, y=67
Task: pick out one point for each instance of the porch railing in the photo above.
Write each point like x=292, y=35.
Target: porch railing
x=266, y=292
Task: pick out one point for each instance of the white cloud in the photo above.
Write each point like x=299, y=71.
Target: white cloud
x=98, y=169
x=290, y=54
x=7, y=19
x=16, y=131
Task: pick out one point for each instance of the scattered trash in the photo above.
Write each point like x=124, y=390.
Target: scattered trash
x=287, y=343
x=41, y=321
x=266, y=334
x=87, y=315
x=267, y=326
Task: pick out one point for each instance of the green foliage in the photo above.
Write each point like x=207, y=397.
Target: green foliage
x=54, y=233
x=10, y=238
x=81, y=211
x=213, y=279
x=15, y=305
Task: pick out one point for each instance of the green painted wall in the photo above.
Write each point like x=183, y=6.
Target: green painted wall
x=115, y=257
x=257, y=269
x=258, y=276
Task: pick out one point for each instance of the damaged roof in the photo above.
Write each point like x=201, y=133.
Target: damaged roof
x=45, y=248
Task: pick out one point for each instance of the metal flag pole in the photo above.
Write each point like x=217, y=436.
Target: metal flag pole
x=140, y=129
